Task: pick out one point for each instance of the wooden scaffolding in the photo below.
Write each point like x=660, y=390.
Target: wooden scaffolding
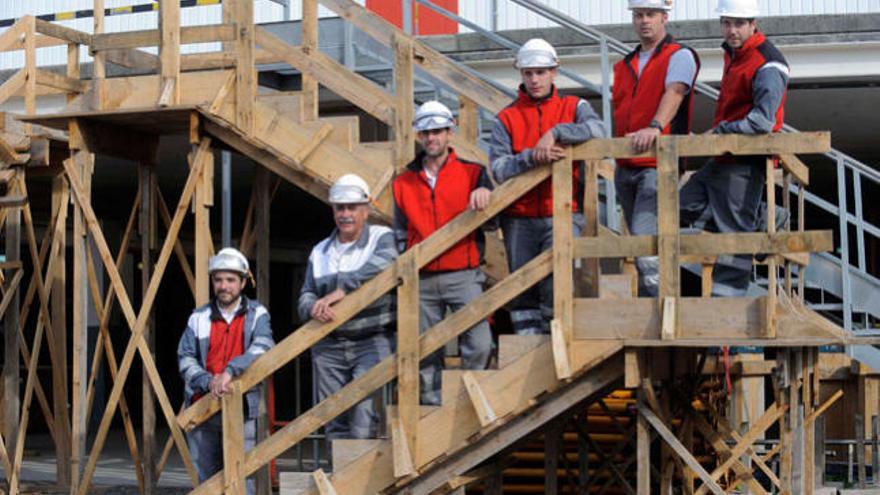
x=602, y=336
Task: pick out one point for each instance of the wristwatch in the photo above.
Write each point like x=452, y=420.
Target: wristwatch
x=656, y=125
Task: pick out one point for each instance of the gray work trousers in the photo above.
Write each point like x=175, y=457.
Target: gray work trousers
x=205, y=444
x=726, y=198
x=525, y=238
x=637, y=195
x=439, y=292
x=338, y=361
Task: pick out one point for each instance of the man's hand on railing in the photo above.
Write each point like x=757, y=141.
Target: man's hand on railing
x=643, y=139
x=547, y=151
x=479, y=199
x=322, y=310
x=220, y=384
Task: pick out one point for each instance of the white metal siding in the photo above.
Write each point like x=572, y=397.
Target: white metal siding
x=596, y=12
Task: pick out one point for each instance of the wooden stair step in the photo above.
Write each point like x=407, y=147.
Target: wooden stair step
x=617, y=286
x=346, y=132
x=512, y=347
x=346, y=450
x=295, y=483
x=286, y=103
x=377, y=154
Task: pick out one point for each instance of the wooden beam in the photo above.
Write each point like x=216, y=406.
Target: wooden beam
x=721, y=447
x=323, y=483
x=793, y=165
x=563, y=286
x=589, y=272
x=63, y=33
x=11, y=373
x=669, y=319
x=245, y=72
x=57, y=81
x=60, y=204
x=99, y=64
x=481, y=404
x=146, y=224
x=707, y=244
x=169, y=51
x=309, y=45
x=711, y=145
x=12, y=85
x=154, y=37
x=679, y=449
x=233, y=441
x=408, y=356
x=668, y=240
x=404, y=86
x=404, y=465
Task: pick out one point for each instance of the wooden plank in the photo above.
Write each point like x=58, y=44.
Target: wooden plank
x=323, y=483
x=99, y=63
x=305, y=336
x=589, y=276
x=147, y=189
x=563, y=285
x=468, y=120
x=793, y=165
x=643, y=452
x=169, y=51
x=11, y=341
x=561, y=350
x=669, y=319
x=57, y=81
x=711, y=145
x=13, y=38
x=438, y=65
x=668, y=246
x=404, y=86
x=203, y=197
x=679, y=449
x=481, y=403
x=351, y=86
x=310, y=45
x=317, y=138
x=63, y=33
x=404, y=465
x=60, y=202
x=408, y=348
x=772, y=269
x=154, y=37
x=245, y=72
x=233, y=441
x=30, y=65
x=811, y=418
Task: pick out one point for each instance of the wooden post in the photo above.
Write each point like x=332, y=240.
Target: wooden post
x=203, y=199
x=563, y=252
x=408, y=350
x=30, y=57
x=60, y=201
x=233, y=441
x=590, y=267
x=169, y=53
x=668, y=228
x=99, y=63
x=552, y=442
x=770, y=305
x=860, y=449
x=11, y=379
x=263, y=242
x=147, y=176
x=83, y=162
x=643, y=451
x=310, y=94
x=245, y=72
x=405, y=99
x=468, y=119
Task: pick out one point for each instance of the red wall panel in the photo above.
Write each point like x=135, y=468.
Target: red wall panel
x=427, y=21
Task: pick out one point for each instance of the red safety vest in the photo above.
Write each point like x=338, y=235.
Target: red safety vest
x=637, y=97
x=427, y=209
x=526, y=120
x=226, y=344
x=740, y=67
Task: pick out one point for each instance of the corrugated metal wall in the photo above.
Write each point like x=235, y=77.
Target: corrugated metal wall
x=511, y=16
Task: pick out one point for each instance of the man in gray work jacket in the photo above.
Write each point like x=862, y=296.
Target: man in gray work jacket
x=352, y=255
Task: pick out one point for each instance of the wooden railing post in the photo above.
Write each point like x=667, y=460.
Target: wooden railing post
x=99, y=65
x=563, y=251
x=30, y=57
x=668, y=235
x=589, y=272
x=233, y=441
x=405, y=425
x=404, y=88
x=770, y=302
x=245, y=71
x=169, y=52
x=310, y=45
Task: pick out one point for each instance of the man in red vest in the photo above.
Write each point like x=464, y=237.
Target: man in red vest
x=222, y=339
x=653, y=88
x=434, y=189
x=534, y=131
x=725, y=195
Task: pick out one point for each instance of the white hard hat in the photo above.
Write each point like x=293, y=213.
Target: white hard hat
x=433, y=115
x=349, y=189
x=229, y=260
x=535, y=54
x=650, y=4
x=742, y=9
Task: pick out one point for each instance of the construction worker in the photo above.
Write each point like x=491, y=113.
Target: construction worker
x=352, y=255
x=725, y=195
x=221, y=340
x=534, y=131
x=435, y=187
x=653, y=88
